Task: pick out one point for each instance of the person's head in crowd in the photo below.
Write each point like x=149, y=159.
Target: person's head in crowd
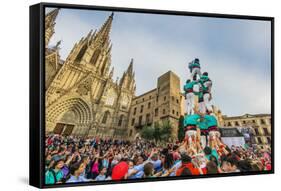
x=186, y=159
x=103, y=171
x=77, y=169
x=168, y=160
x=165, y=151
x=131, y=164
x=48, y=159
x=135, y=159
x=244, y=165
x=229, y=164
x=154, y=157
x=58, y=164
x=148, y=169
x=162, y=158
x=86, y=159
x=61, y=150
x=176, y=155
x=255, y=166
x=139, y=160
x=212, y=167
x=175, y=148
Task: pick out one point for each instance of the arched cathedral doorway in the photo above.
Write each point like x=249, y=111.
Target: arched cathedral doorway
x=71, y=116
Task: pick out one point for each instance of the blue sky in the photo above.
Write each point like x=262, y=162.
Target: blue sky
x=235, y=53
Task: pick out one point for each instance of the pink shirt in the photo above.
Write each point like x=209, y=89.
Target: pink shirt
x=95, y=168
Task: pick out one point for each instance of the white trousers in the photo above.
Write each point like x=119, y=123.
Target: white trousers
x=190, y=103
x=213, y=135
x=194, y=72
x=189, y=134
x=203, y=141
x=192, y=133
x=202, y=107
x=206, y=98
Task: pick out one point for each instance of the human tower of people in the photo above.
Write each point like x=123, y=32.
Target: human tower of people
x=200, y=118
x=73, y=159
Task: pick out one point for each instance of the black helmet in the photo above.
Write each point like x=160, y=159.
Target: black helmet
x=205, y=74
x=196, y=60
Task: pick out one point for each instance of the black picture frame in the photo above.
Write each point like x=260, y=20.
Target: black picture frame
x=37, y=91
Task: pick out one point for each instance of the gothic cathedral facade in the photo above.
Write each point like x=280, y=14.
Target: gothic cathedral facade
x=81, y=97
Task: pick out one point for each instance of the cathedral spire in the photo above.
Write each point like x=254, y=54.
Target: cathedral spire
x=89, y=37
x=111, y=73
x=127, y=79
x=89, y=34
x=130, y=68
x=50, y=24
x=95, y=48
x=105, y=29
x=52, y=15
x=50, y=18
